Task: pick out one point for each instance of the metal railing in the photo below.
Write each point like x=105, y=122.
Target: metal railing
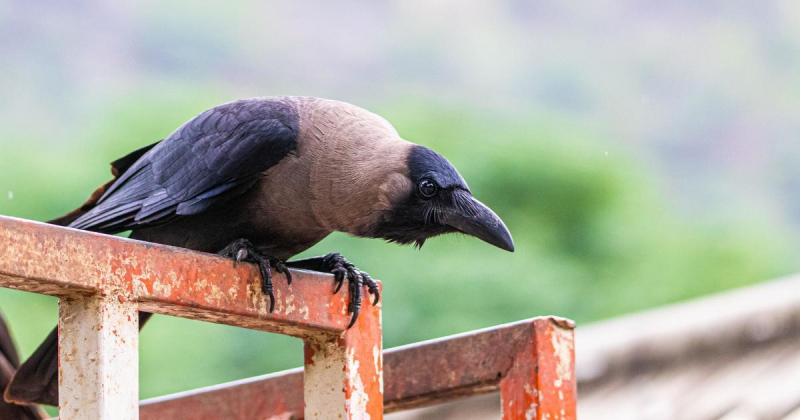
x=530, y=362
x=102, y=281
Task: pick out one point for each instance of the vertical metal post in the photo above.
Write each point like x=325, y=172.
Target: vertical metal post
x=98, y=358
x=541, y=383
x=343, y=377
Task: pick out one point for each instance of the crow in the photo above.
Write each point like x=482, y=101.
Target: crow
x=264, y=179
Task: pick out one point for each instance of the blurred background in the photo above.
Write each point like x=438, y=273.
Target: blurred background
x=641, y=152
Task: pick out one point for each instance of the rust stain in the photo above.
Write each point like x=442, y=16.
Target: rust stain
x=97, y=365
x=267, y=401
x=511, y=357
x=71, y=264
x=344, y=372
x=540, y=383
x=64, y=262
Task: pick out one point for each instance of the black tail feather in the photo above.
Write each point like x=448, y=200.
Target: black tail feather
x=9, y=362
x=36, y=381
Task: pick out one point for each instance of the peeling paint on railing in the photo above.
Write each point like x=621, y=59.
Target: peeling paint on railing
x=103, y=280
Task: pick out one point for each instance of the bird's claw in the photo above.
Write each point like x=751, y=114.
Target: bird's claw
x=339, y=274
x=242, y=250
x=280, y=266
x=373, y=288
x=241, y=254
x=266, y=280
x=354, y=307
x=357, y=279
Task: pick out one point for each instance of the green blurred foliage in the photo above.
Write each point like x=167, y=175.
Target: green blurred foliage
x=596, y=234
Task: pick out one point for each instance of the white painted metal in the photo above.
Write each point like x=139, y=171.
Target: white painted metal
x=98, y=358
x=325, y=376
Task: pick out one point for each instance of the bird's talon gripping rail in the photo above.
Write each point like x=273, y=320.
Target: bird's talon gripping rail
x=103, y=281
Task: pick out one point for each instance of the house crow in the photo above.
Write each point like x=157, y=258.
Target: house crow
x=264, y=179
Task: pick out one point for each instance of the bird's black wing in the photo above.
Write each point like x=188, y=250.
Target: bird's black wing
x=209, y=160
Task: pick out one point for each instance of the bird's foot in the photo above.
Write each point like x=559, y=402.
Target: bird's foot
x=242, y=250
x=342, y=269
x=357, y=279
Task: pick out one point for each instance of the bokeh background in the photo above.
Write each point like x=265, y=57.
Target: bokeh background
x=641, y=152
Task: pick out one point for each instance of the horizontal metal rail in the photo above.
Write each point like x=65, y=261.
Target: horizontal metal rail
x=102, y=281
x=530, y=362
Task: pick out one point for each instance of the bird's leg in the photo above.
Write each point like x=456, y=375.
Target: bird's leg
x=342, y=269
x=242, y=250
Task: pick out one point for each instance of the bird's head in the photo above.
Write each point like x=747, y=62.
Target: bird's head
x=373, y=183
x=434, y=199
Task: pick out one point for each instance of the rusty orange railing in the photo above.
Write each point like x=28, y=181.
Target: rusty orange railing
x=102, y=281
x=530, y=362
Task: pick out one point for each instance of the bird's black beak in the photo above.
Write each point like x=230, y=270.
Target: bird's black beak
x=472, y=217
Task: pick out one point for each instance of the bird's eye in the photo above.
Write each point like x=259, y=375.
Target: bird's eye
x=427, y=188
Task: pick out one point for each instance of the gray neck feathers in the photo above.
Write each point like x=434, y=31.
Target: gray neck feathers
x=357, y=164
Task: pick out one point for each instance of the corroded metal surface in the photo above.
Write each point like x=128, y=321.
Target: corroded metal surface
x=541, y=383
x=272, y=396
x=524, y=359
x=102, y=282
x=98, y=358
x=64, y=262
x=353, y=362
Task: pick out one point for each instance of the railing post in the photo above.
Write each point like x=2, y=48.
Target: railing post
x=541, y=383
x=98, y=358
x=343, y=376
